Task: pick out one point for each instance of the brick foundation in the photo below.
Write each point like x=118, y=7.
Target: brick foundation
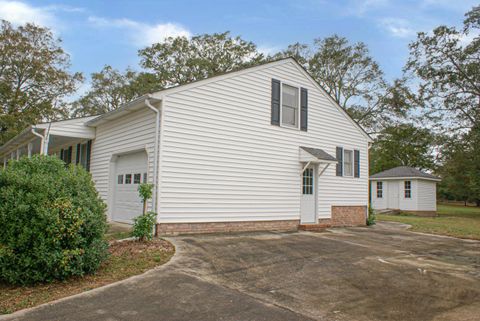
x=349, y=216
x=216, y=227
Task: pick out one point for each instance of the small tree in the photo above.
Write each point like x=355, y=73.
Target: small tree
x=143, y=224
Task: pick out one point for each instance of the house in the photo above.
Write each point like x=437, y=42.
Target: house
x=405, y=188
x=263, y=148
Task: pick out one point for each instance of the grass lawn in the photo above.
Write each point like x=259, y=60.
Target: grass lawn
x=452, y=220
x=127, y=258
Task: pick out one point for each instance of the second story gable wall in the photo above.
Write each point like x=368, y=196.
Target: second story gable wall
x=221, y=159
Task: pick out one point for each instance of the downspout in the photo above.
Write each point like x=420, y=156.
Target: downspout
x=42, y=140
x=155, y=159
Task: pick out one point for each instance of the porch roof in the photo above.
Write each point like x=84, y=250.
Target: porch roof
x=309, y=154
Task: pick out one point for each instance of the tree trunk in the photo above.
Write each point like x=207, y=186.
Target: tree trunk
x=144, y=207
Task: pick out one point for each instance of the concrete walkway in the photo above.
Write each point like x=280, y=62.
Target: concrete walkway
x=366, y=274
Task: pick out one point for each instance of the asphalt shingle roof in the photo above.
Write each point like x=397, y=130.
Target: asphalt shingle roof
x=319, y=153
x=403, y=171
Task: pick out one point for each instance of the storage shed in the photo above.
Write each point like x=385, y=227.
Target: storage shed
x=405, y=188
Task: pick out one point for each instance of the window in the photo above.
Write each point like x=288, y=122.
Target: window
x=379, y=189
x=145, y=177
x=83, y=155
x=348, y=163
x=289, y=106
x=136, y=178
x=120, y=179
x=308, y=181
x=408, y=189
x=128, y=178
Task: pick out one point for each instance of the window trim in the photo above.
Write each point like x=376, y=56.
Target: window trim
x=380, y=189
x=299, y=96
x=409, y=189
x=351, y=163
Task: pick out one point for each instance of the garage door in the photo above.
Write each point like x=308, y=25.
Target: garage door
x=130, y=171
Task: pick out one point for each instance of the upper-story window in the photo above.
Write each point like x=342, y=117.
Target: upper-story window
x=289, y=106
x=348, y=162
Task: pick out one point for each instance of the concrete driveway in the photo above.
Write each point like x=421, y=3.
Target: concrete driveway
x=380, y=273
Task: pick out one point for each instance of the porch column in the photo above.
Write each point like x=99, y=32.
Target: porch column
x=30, y=148
x=45, y=144
x=4, y=162
x=18, y=153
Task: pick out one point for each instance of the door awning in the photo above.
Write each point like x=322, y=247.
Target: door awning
x=315, y=155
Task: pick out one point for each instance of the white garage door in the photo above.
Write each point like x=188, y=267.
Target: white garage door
x=130, y=171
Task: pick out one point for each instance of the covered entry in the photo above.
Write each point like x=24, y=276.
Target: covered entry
x=314, y=162
x=130, y=171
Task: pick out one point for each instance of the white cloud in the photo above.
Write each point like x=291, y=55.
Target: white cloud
x=398, y=27
x=20, y=13
x=268, y=50
x=141, y=33
x=360, y=7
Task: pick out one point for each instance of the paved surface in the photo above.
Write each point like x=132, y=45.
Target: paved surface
x=381, y=273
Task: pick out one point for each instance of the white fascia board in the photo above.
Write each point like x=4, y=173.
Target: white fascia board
x=403, y=179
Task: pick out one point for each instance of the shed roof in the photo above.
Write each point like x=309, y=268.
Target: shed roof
x=403, y=172
x=319, y=153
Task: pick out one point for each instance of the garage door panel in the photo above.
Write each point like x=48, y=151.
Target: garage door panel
x=130, y=170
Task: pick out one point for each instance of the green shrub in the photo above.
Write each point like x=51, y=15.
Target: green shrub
x=372, y=218
x=52, y=221
x=145, y=191
x=143, y=226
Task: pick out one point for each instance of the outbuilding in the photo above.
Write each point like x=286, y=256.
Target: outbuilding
x=406, y=189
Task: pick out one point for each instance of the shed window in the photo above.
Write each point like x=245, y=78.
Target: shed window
x=348, y=163
x=408, y=189
x=120, y=179
x=379, y=189
x=289, y=106
x=136, y=178
x=128, y=178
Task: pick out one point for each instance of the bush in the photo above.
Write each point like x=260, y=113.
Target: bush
x=371, y=219
x=143, y=226
x=52, y=221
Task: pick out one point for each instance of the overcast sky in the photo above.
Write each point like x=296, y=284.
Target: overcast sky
x=96, y=33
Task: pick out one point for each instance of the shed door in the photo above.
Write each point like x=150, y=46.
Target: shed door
x=130, y=171
x=308, y=208
x=393, y=195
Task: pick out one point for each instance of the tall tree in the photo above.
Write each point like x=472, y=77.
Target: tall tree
x=181, y=60
x=402, y=145
x=447, y=62
x=34, y=77
x=111, y=88
x=354, y=80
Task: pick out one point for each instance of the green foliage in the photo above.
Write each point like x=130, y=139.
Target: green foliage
x=53, y=221
x=111, y=88
x=447, y=63
x=145, y=191
x=182, y=60
x=372, y=218
x=34, y=77
x=143, y=226
x=402, y=145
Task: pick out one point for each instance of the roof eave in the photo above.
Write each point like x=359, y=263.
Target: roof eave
x=404, y=178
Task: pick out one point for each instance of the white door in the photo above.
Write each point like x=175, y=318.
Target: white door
x=130, y=171
x=393, y=195
x=308, y=208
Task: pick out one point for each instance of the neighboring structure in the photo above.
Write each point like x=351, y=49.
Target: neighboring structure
x=406, y=189
x=261, y=148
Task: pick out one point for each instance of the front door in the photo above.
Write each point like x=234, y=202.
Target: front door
x=393, y=193
x=308, y=208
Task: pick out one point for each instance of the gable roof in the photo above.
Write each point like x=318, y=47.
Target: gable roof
x=403, y=172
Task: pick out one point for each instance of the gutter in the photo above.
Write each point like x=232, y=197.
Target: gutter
x=155, y=159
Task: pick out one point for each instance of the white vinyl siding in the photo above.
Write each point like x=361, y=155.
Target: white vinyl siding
x=129, y=133
x=221, y=160
x=427, y=195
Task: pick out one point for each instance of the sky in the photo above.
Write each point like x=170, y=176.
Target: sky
x=97, y=33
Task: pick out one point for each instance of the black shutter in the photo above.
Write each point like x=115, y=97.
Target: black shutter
x=89, y=151
x=70, y=149
x=62, y=156
x=275, y=120
x=356, y=162
x=340, y=161
x=77, y=158
x=303, y=109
